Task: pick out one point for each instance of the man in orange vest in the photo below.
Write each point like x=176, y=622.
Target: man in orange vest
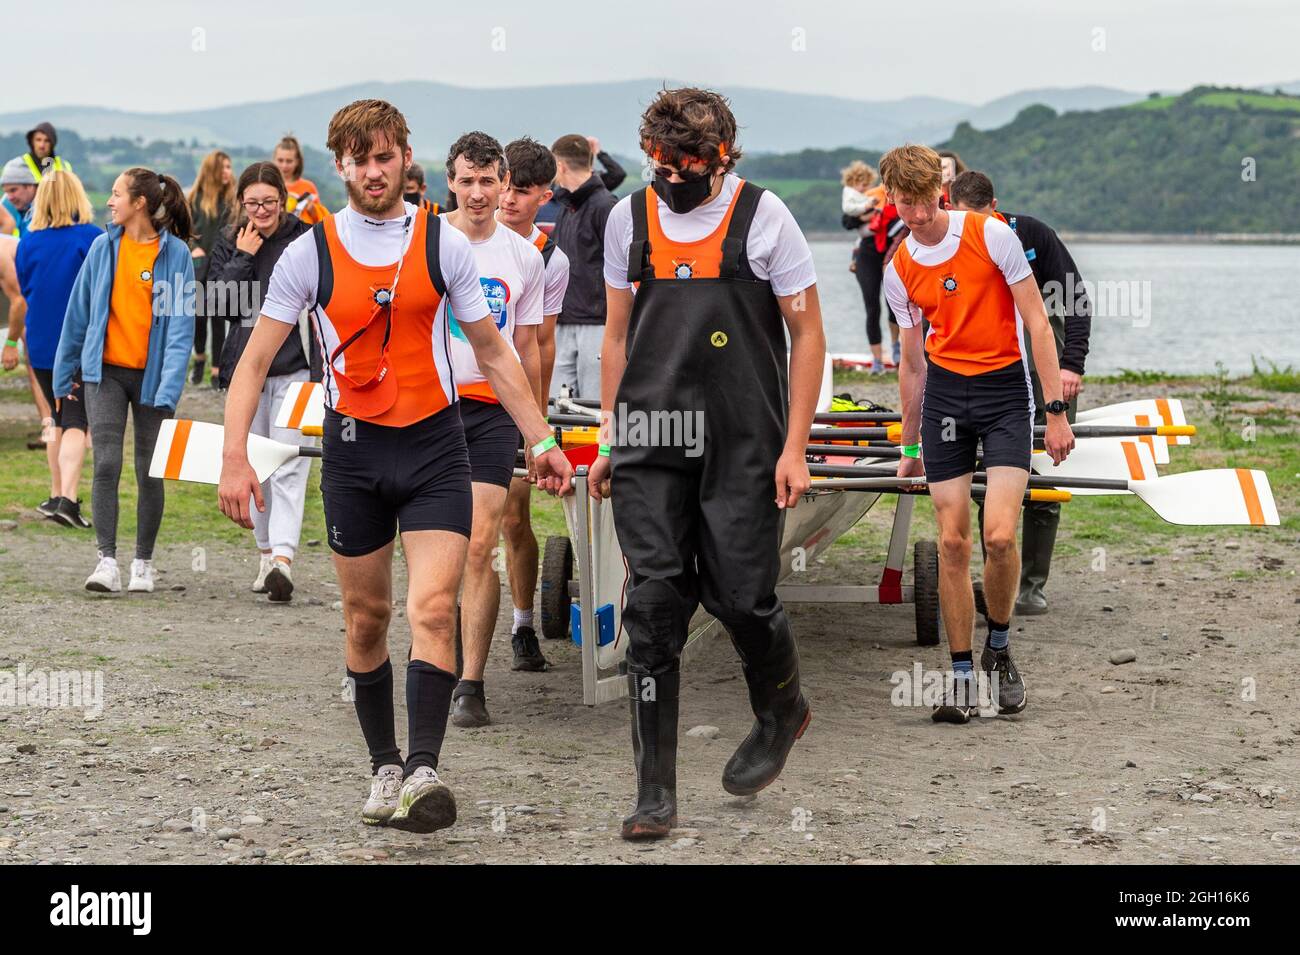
x=532, y=170
x=705, y=274
x=966, y=386
x=375, y=277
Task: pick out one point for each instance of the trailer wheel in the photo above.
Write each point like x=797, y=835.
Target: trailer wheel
x=557, y=570
x=925, y=591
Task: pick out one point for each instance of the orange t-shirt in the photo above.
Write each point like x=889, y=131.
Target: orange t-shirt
x=130, y=309
x=301, y=189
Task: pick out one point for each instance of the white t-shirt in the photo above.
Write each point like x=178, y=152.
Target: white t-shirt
x=557, y=277
x=512, y=276
x=374, y=242
x=777, y=249
x=1003, y=245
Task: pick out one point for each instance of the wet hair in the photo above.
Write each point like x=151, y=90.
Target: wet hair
x=690, y=125
x=972, y=189
x=480, y=150
x=164, y=201
x=912, y=172
x=353, y=129
x=531, y=164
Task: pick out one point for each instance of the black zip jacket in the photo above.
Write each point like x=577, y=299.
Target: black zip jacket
x=580, y=234
x=236, y=284
x=1059, y=281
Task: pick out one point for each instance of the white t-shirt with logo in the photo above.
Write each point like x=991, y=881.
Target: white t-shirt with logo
x=776, y=247
x=512, y=276
x=557, y=277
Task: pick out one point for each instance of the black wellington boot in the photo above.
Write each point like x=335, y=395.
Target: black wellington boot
x=781, y=714
x=653, y=702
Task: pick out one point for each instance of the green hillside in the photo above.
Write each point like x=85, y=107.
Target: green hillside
x=1166, y=164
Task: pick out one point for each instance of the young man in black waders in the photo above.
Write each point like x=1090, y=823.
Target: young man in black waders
x=704, y=275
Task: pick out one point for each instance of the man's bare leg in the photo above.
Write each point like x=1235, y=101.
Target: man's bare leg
x=521, y=570
x=956, y=594
x=72, y=457
x=480, y=602
x=1002, y=505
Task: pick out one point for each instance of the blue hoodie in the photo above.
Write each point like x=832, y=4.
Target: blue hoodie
x=171, y=335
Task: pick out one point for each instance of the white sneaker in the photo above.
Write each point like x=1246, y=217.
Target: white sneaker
x=425, y=804
x=382, y=803
x=279, y=582
x=141, y=577
x=106, y=579
x=264, y=568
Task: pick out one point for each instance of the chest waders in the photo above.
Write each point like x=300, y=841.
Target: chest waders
x=700, y=424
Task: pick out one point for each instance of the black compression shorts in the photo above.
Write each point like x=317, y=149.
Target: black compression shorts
x=375, y=479
x=493, y=441
x=71, y=413
x=959, y=412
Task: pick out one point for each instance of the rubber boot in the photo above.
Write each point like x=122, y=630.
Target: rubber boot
x=653, y=701
x=1038, y=539
x=781, y=714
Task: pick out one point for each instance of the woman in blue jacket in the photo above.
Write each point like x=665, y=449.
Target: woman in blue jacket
x=47, y=263
x=128, y=330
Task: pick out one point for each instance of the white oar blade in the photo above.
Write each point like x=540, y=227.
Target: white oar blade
x=188, y=451
x=1157, y=410
x=1111, y=459
x=191, y=451
x=1157, y=444
x=303, y=407
x=1219, y=496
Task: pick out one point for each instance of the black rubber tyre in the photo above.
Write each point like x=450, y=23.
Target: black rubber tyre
x=557, y=569
x=925, y=591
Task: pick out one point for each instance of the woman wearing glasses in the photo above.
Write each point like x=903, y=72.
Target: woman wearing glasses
x=242, y=262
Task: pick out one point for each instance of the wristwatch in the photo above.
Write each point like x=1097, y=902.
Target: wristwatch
x=1056, y=407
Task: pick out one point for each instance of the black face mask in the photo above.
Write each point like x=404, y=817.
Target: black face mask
x=414, y=198
x=682, y=197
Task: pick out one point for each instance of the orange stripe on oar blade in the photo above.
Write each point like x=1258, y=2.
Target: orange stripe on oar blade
x=300, y=406
x=1251, y=495
x=176, y=453
x=1162, y=405
x=1134, y=460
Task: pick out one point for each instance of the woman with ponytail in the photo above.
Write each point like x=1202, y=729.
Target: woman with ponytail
x=128, y=331
x=212, y=203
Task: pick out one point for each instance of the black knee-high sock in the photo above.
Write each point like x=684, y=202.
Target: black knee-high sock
x=428, y=697
x=374, y=699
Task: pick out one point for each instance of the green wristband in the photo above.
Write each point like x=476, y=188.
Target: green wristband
x=911, y=450
x=10, y=343
x=603, y=450
x=541, y=447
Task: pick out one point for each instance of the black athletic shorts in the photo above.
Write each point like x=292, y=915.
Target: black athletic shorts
x=493, y=441
x=376, y=479
x=959, y=412
x=70, y=414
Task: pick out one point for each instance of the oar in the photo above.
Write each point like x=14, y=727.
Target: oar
x=1219, y=496
x=1155, y=410
x=897, y=485
x=191, y=451
x=303, y=408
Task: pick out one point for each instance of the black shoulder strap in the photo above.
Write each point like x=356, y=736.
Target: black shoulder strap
x=432, y=258
x=735, y=263
x=638, y=253
x=324, y=267
x=548, y=249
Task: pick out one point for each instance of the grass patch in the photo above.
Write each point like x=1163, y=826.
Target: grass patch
x=1273, y=378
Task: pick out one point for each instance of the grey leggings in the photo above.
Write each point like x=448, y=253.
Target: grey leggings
x=106, y=405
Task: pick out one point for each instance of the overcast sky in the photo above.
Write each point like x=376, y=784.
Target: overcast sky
x=152, y=55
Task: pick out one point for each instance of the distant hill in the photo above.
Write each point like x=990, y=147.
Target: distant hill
x=773, y=121
x=1165, y=164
